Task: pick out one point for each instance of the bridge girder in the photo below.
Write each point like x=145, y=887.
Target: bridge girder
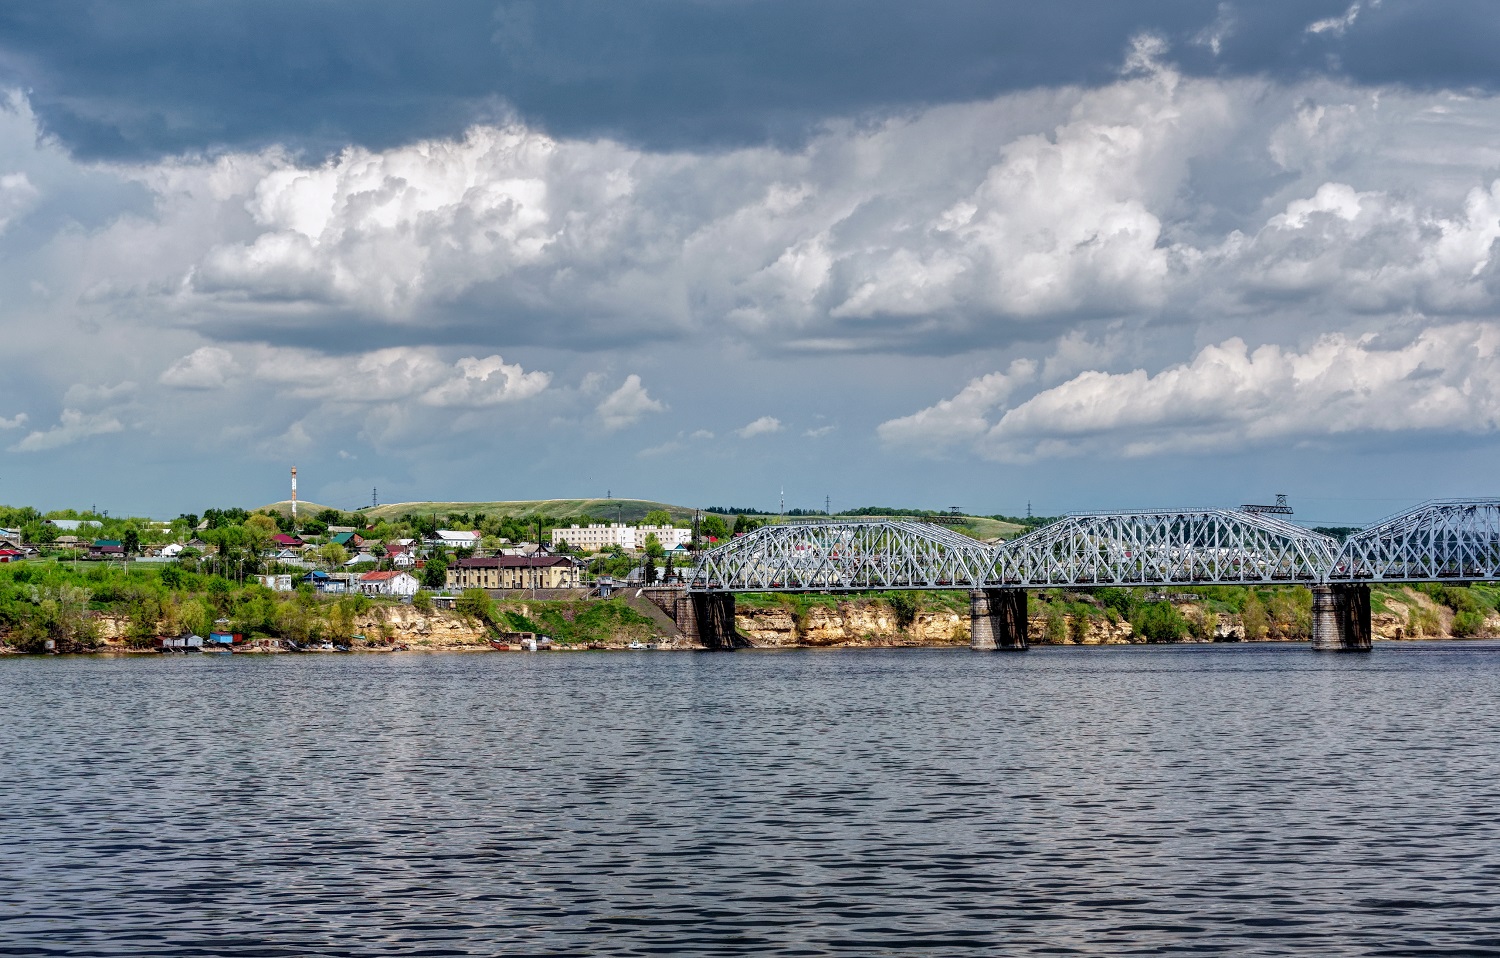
x=845, y=557
x=1445, y=539
x=1437, y=541
x=1162, y=548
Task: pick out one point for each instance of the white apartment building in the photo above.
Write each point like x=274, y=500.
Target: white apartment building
x=593, y=538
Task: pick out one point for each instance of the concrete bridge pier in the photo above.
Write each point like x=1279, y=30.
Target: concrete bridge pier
x=708, y=618
x=997, y=619
x=1341, y=618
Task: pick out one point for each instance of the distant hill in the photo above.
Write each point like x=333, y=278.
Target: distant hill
x=305, y=509
x=610, y=510
x=583, y=510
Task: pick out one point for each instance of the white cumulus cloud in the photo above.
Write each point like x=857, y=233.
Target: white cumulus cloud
x=962, y=418
x=763, y=426
x=401, y=373
x=73, y=425
x=627, y=405
x=1229, y=395
x=14, y=422
x=207, y=367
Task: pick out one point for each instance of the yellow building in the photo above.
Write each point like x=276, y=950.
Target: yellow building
x=514, y=572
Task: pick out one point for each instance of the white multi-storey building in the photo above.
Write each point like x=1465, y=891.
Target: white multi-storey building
x=593, y=538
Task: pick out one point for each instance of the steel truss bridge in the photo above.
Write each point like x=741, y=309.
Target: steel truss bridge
x=1443, y=540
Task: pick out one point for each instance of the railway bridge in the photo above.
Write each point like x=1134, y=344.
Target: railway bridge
x=1453, y=541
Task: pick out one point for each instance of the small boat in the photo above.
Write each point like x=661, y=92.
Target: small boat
x=637, y=645
x=499, y=646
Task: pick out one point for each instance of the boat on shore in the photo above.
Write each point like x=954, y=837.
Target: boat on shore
x=520, y=642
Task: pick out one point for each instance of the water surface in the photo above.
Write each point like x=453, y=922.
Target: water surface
x=1102, y=801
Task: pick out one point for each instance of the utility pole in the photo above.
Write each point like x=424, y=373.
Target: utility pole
x=827, y=505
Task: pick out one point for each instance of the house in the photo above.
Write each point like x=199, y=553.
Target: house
x=172, y=550
x=325, y=583
x=389, y=583
x=514, y=572
x=403, y=560
x=287, y=542
x=349, y=540
x=107, y=549
x=11, y=555
x=276, y=583
x=456, y=539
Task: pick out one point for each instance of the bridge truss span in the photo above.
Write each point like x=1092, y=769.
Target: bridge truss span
x=1192, y=547
x=1446, y=539
x=845, y=556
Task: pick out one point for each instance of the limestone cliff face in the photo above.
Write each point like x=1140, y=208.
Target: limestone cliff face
x=1092, y=632
x=438, y=629
x=850, y=624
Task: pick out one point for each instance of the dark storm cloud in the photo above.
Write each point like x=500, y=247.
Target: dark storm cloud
x=147, y=78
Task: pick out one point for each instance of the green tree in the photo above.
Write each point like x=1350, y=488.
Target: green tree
x=658, y=517
x=1160, y=622
x=712, y=526
x=422, y=601
x=333, y=554
x=435, y=573
x=654, y=547
x=745, y=524
x=904, y=607
x=173, y=577
x=1467, y=623
x=475, y=603
x=1253, y=618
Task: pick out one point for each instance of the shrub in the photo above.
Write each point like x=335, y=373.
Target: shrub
x=1160, y=622
x=904, y=605
x=475, y=603
x=1468, y=622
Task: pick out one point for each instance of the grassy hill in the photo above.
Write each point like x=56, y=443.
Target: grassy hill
x=612, y=510
x=582, y=510
x=304, y=508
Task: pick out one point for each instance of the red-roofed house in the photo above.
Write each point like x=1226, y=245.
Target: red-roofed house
x=389, y=583
x=287, y=542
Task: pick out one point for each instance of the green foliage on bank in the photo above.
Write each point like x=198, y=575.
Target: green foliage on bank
x=568, y=622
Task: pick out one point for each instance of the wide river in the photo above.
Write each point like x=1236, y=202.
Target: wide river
x=1101, y=801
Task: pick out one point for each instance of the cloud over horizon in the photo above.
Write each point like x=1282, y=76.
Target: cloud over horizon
x=1148, y=257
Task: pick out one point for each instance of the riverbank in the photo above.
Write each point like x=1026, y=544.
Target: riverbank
x=105, y=610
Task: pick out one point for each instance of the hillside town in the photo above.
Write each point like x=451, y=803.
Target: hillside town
x=383, y=558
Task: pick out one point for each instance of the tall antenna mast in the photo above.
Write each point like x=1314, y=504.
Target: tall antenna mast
x=294, y=498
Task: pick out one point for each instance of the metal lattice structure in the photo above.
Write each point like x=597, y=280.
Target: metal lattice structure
x=1437, y=541
x=1203, y=547
x=1443, y=539
x=845, y=557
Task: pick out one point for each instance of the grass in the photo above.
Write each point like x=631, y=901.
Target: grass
x=575, y=623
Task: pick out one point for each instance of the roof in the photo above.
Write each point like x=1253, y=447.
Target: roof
x=513, y=562
x=107, y=543
x=344, y=538
x=459, y=535
x=379, y=576
x=281, y=538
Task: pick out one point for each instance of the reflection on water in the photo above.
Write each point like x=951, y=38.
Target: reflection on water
x=1108, y=801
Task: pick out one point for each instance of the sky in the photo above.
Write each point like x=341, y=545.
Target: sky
x=1065, y=256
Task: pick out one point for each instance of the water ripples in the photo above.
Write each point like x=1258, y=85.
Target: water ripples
x=1244, y=800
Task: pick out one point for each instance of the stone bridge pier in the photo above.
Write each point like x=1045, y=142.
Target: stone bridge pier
x=706, y=618
x=997, y=619
x=1341, y=618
